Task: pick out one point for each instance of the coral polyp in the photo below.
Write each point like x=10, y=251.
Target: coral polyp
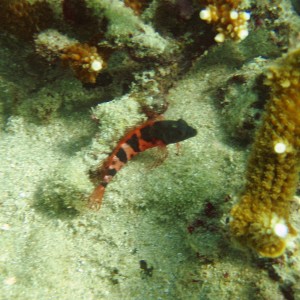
x=84, y=60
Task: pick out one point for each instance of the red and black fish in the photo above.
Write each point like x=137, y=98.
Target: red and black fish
x=150, y=134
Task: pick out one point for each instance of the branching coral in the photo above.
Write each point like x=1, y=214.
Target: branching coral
x=228, y=20
x=261, y=218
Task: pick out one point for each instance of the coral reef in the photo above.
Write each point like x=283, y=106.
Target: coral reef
x=262, y=218
x=50, y=44
x=23, y=19
x=75, y=77
x=229, y=21
x=85, y=61
x=243, y=97
x=125, y=29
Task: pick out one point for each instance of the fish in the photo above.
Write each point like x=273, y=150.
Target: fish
x=152, y=133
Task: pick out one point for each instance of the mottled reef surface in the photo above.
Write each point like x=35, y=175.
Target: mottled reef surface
x=162, y=231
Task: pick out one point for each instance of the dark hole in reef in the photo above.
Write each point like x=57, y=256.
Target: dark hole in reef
x=237, y=79
x=145, y=270
x=103, y=79
x=257, y=116
x=262, y=91
x=287, y=291
x=248, y=125
x=296, y=5
x=184, y=18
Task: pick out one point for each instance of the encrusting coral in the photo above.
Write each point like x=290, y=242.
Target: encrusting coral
x=85, y=61
x=228, y=20
x=50, y=44
x=261, y=218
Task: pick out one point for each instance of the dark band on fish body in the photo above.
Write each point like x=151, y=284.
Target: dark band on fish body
x=111, y=172
x=133, y=142
x=146, y=134
x=122, y=156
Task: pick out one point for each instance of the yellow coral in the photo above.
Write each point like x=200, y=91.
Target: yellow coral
x=261, y=218
x=84, y=60
x=228, y=20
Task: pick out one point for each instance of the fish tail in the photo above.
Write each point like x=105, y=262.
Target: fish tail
x=95, y=200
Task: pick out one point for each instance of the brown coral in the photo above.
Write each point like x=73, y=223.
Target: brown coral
x=261, y=218
x=137, y=6
x=23, y=19
x=84, y=60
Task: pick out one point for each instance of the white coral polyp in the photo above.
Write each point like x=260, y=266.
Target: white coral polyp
x=243, y=33
x=96, y=65
x=280, y=148
x=281, y=230
x=205, y=14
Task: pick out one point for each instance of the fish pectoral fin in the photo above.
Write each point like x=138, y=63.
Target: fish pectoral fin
x=158, y=156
